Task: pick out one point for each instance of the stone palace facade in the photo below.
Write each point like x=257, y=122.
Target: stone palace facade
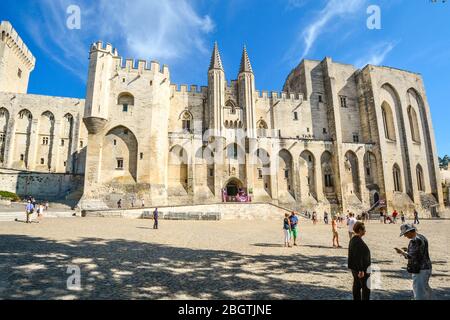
x=336, y=138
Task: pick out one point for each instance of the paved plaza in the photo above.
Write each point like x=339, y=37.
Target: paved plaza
x=238, y=259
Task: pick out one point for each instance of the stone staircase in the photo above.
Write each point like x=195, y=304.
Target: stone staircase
x=218, y=211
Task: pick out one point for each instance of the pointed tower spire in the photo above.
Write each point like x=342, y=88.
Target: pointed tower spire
x=245, y=62
x=216, y=62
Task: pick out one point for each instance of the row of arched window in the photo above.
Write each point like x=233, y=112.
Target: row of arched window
x=233, y=124
x=389, y=123
x=397, y=176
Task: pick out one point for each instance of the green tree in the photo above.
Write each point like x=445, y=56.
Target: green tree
x=443, y=162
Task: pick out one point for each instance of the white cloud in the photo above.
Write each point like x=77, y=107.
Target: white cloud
x=377, y=54
x=168, y=31
x=333, y=10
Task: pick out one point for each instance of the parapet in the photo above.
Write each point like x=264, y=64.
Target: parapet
x=193, y=90
x=10, y=35
x=276, y=96
x=140, y=66
x=129, y=64
x=107, y=48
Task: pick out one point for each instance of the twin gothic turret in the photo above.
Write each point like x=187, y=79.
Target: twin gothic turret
x=231, y=107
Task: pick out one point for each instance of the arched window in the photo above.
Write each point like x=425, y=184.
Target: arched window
x=414, y=125
x=397, y=178
x=231, y=105
x=261, y=128
x=388, y=122
x=420, y=181
x=125, y=100
x=186, y=121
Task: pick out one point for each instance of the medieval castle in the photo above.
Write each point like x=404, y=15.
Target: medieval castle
x=336, y=138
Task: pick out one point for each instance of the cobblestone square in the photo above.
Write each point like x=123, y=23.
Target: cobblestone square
x=237, y=259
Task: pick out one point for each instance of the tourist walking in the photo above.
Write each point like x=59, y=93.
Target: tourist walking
x=394, y=216
x=351, y=223
x=40, y=211
x=155, y=218
x=359, y=261
x=119, y=203
x=402, y=217
x=287, y=230
x=29, y=209
x=381, y=216
x=325, y=217
x=419, y=262
x=335, y=233
x=46, y=205
x=143, y=203
x=416, y=217
x=293, y=221
x=314, y=218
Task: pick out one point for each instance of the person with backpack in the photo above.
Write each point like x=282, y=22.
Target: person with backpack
x=419, y=262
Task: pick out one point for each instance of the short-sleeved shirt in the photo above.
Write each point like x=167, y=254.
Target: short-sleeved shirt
x=294, y=221
x=351, y=223
x=29, y=207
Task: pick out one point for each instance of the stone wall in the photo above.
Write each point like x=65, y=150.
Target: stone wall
x=44, y=186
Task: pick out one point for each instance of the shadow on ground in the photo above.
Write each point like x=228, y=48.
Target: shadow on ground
x=36, y=268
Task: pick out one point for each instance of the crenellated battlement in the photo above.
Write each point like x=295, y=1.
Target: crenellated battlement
x=192, y=89
x=104, y=47
x=130, y=65
x=12, y=38
x=140, y=66
x=277, y=96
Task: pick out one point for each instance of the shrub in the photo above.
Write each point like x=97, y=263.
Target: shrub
x=9, y=196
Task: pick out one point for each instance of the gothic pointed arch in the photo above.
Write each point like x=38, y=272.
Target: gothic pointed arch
x=46, y=140
x=285, y=176
x=4, y=122
x=119, y=156
x=22, y=139
x=413, y=124
x=307, y=172
x=186, y=119
x=326, y=161
x=67, y=142
x=397, y=178
x=178, y=170
x=351, y=174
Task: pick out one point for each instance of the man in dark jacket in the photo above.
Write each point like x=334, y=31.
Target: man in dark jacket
x=155, y=218
x=359, y=261
x=419, y=262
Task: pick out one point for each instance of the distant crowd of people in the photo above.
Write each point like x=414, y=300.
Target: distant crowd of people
x=359, y=257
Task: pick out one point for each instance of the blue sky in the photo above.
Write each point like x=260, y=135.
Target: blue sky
x=414, y=35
